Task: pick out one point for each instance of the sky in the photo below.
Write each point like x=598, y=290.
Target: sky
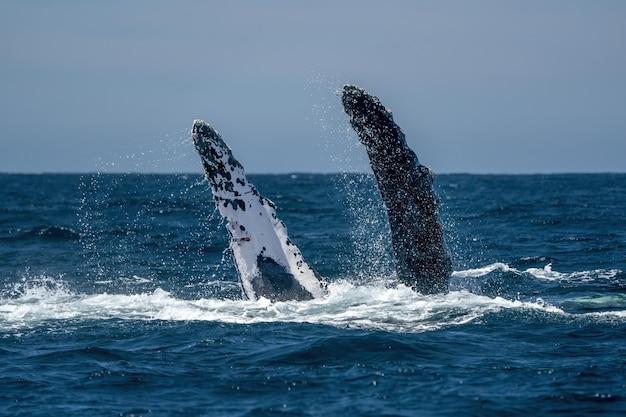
x=478, y=86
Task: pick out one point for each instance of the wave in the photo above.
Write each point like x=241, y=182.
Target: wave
x=53, y=233
x=370, y=307
x=546, y=273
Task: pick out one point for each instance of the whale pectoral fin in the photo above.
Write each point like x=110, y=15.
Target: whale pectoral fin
x=420, y=253
x=264, y=263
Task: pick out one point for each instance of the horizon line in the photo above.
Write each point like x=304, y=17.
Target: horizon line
x=300, y=173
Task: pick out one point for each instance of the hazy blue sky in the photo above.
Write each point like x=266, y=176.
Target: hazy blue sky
x=478, y=86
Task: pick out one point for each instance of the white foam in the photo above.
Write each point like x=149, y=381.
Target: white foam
x=373, y=307
x=482, y=271
x=546, y=273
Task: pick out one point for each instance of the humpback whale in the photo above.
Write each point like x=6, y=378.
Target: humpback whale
x=421, y=257
x=268, y=263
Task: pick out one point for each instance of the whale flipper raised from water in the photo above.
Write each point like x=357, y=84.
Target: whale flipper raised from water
x=268, y=263
x=406, y=187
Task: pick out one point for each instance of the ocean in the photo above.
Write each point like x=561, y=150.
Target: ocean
x=118, y=297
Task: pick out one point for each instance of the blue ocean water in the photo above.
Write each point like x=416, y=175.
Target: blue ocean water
x=118, y=297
